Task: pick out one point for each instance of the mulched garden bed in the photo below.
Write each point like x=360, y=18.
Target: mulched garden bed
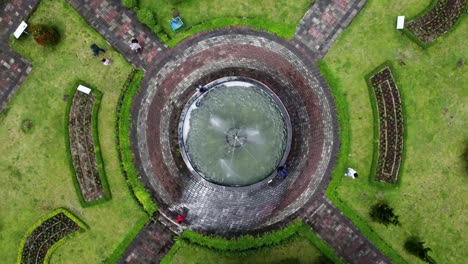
x=45, y=236
x=82, y=146
x=440, y=19
x=390, y=119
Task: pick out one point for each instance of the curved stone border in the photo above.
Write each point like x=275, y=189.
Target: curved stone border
x=437, y=21
x=83, y=142
x=47, y=234
x=390, y=125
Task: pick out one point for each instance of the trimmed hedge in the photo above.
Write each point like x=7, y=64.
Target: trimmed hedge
x=244, y=243
x=126, y=156
x=97, y=149
x=342, y=111
x=421, y=43
x=375, y=115
x=75, y=219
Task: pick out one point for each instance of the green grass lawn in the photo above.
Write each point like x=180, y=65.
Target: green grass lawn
x=35, y=174
x=297, y=250
x=284, y=13
x=431, y=196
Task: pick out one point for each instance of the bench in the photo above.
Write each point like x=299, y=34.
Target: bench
x=84, y=89
x=21, y=28
x=400, y=22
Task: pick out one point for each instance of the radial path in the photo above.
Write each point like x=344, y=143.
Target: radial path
x=324, y=22
x=119, y=26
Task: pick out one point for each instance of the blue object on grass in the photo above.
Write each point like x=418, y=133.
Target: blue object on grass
x=176, y=23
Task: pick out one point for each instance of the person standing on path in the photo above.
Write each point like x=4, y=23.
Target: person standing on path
x=135, y=46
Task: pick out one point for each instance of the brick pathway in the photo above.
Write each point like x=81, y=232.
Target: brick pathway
x=13, y=68
x=151, y=244
x=119, y=26
x=340, y=233
x=324, y=21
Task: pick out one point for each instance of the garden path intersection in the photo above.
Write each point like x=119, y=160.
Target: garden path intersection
x=287, y=67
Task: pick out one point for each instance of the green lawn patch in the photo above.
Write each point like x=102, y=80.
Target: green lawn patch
x=276, y=16
x=35, y=176
x=281, y=246
x=430, y=194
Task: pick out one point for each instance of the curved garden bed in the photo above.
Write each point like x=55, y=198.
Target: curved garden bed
x=43, y=237
x=437, y=21
x=390, y=125
x=89, y=177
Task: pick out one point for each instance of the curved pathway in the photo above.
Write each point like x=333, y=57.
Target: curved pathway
x=317, y=31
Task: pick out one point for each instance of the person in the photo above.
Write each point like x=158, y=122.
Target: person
x=282, y=171
x=105, y=61
x=350, y=172
x=180, y=219
x=96, y=49
x=135, y=46
x=201, y=89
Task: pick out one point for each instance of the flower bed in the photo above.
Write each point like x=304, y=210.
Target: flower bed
x=84, y=147
x=390, y=124
x=440, y=19
x=39, y=241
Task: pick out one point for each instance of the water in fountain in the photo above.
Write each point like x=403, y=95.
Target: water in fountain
x=237, y=134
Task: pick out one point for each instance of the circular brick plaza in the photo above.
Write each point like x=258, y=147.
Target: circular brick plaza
x=211, y=208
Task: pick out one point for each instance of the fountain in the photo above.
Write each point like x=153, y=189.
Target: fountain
x=235, y=134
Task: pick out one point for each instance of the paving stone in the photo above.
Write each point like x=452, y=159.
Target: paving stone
x=324, y=21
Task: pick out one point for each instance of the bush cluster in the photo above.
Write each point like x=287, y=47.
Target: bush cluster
x=45, y=35
x=414, y=245
x=130, y=4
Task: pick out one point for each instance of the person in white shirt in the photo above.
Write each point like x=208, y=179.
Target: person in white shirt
x=350, y=172
x=106, y=62
x=135, y=46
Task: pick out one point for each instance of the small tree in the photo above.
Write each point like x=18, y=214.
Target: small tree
x=415, y=246
x=383, y=213
x=45, y=35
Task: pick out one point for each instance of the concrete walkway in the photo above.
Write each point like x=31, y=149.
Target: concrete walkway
x=339, y=232
x=119, y=26
x=324, y=22
x=13, y=68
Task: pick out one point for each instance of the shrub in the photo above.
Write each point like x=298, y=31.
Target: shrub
x=130, y=4
x=157, y=29
x=383, y=213
x=415, y=246
x=45, y=35
x=146, y=16
x=26, y=125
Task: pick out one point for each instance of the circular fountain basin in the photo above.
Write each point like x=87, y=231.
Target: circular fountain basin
x=236, y=133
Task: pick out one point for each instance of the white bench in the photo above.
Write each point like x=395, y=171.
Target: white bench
x=22, y=26
x=83, y=89
x=400, y=24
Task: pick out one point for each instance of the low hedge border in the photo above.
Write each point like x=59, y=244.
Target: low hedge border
x=243, y=244
x=342, y=110
x=75, y=219
x=97, y=149
x=126, y=156
x=123, y=245
x=375, y=118
x=427, y=9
